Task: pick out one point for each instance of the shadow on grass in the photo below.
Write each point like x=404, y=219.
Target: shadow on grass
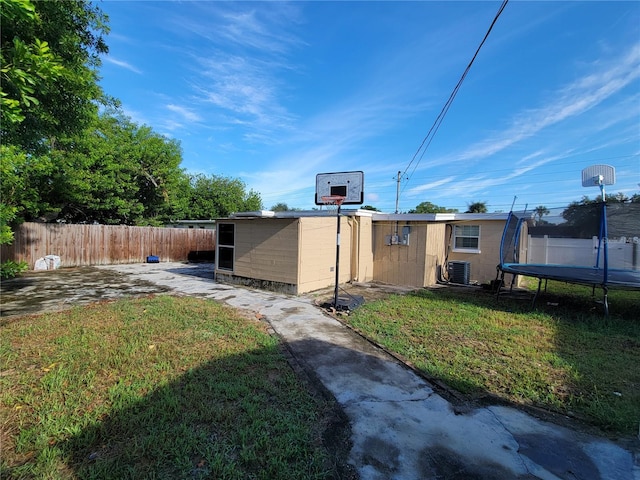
x=208, y=425
x=229, y=418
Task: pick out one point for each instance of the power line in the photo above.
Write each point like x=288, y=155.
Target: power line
x=557, y=161
x=436, y=124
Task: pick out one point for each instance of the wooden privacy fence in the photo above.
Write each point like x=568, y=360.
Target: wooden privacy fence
x=80, y=245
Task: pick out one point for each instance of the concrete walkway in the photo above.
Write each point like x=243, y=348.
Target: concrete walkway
x=401, y=428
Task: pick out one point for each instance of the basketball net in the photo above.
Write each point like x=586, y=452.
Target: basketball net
x=332, y=202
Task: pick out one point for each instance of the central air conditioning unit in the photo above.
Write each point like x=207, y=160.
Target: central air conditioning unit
x=459, y=272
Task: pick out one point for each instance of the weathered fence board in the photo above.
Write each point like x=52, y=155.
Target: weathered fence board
x=81, y=245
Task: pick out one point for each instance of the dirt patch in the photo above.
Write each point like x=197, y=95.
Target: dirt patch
x=369, y=291
x=55, y=290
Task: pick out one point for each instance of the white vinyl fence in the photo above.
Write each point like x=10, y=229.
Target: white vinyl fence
x=624, y=253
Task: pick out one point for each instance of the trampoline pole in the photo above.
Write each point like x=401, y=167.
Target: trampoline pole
x=600, y=237
x=605, y=253
x=499, y=281
x=605, y=234
x=535, y=297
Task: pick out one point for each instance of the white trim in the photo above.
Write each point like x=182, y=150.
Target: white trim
x=375, y=216
x=463, y=249
x=439, y=217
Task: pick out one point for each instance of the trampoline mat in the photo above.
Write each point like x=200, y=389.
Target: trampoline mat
x=628, y=279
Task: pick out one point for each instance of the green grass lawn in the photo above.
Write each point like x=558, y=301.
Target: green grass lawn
x=161, y=387
x=564, y=356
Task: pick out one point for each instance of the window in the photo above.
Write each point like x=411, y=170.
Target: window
x=466, y=238
x=226, y=246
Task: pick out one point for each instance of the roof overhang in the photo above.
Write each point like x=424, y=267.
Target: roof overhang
x=301, y=213
x=438, y=217
x=375, y=216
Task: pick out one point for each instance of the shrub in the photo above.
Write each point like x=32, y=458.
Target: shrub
x=10, y=269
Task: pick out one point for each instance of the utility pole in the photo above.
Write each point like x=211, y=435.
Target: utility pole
x=398, y=190
x=397, y=179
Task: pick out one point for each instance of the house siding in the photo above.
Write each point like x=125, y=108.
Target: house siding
x=482, y=265
x=414, y=264
x=362, y=248
x=298, y=254
x=317, y=245
x=434, y=252
x=267, y=249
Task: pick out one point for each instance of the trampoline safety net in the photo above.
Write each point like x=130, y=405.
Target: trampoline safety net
x=590, y=243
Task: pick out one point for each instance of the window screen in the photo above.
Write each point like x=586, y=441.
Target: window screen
x=467, y=237
x=226, y=245
x=226, y=234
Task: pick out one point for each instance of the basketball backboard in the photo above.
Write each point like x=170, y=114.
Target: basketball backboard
x=598, y=175
x=346, y=184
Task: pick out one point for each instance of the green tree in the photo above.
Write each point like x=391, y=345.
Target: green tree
x=282, y=207
x=114, y=172
x=16, y=175
x=117, y=172
x=477, y=207
x=369, y=207
x=428, y=207
x=50, y=58
x=23, y=179
x=8, y=268
x=539, y=212
x=584, y=215
x=216, y=196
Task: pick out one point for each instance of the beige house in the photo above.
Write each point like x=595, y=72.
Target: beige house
x=295, y=252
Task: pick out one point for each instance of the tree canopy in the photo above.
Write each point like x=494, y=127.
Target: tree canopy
x=477, y=207
x=68, y=154
x=116, y=172
x=584, y=215
x=283, y=207
x=65, y=161
x=428, y=207
x=539, y=212
x=216, y=196
x=50, y=59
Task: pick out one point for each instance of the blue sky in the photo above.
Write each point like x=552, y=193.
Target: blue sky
x=274, y=93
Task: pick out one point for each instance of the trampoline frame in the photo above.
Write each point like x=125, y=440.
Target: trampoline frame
x=595, y=276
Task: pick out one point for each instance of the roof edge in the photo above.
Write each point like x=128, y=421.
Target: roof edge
x=438, y=217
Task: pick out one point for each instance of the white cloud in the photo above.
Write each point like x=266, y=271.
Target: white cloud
x=606, y=79
x=415, y=191
x=123, y=64
x=372, y=197
x=185, y=113
x=237, y=68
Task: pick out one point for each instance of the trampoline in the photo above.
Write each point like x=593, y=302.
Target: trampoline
x=594, y=244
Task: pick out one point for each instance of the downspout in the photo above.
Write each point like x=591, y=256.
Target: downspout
x=355, y=248
x=443, y=273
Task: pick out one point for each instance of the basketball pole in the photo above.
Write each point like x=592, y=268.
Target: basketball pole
x=335, y=291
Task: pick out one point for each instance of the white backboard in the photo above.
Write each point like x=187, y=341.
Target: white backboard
x=347, y=184
x=597, y=175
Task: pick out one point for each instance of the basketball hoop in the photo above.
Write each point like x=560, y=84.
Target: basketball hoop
x=332, y=202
